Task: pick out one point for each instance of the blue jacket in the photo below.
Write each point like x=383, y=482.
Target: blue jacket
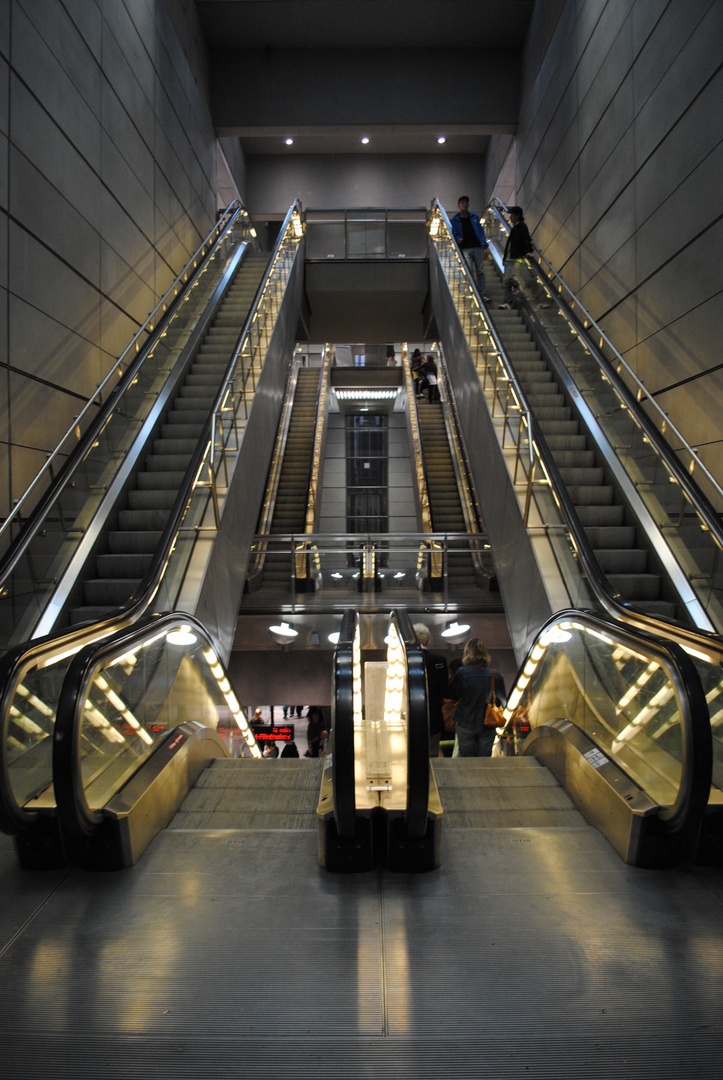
x=476, y=225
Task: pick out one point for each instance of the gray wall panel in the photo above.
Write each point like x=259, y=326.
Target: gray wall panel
x=632, y=94
x=98, y=92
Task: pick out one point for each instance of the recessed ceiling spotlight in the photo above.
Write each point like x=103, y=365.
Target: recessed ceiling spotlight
x=441, y=139
x=289, y=142
x=365, y=140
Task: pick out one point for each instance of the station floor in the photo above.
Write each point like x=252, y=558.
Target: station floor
x=531, y=952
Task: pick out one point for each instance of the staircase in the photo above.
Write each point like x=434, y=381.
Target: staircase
x=502, y=793
x=131, y=544
x=293, y=488
x=599, y=507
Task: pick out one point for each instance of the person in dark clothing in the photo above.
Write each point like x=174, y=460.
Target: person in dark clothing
x=470, y=236
x=430, y=375
x=471, y=686
x=517, y=268
x=435, y=665
x=416, y=363
x=290, y=750
x=316, y=727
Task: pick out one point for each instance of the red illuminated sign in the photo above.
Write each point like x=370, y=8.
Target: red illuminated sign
x=275, y=733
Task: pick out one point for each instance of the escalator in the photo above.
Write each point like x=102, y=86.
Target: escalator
x=289, y=497
x=124, y=553
x=620, y=549
x=85, y=501
x=609, y=515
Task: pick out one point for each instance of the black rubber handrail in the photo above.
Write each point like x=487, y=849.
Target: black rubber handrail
x=417, y=728
x=342, y=728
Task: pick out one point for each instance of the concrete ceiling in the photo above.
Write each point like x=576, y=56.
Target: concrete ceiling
x=400, y=72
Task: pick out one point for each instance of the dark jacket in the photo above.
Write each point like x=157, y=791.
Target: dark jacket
x=435, y=665
x=519, y=242
x=471, y=685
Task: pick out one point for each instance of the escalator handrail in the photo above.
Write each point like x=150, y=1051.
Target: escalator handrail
x=12, y=816
x=342, y=772
x=697, y=497
x=74, y=814
x=685, y=814
x=415, y=817
x=610, y=602
x=135, y=360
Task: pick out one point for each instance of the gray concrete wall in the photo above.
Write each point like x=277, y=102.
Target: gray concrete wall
x=617, y=162
x=107, y=186
x=355, y=180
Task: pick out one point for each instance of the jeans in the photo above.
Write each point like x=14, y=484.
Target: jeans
x=519, y=272
x=475, y=259
x=476, y=744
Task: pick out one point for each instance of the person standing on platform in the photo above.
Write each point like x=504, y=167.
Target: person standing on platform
x=315, y=730
x=470, y=236
x=435, y=665
x=471, y=687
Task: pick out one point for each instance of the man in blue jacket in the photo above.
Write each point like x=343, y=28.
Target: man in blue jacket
x=469, y=234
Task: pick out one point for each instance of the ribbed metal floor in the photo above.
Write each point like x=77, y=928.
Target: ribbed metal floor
x=229, y=953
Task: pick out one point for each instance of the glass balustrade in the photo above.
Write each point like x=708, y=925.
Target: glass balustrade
x=624, y=412
x=615, y=689
x=140, y=689
x=26, y=590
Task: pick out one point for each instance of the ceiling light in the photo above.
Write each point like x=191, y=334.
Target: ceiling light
x=441, y=139
x=455, y=629
x=284, y=630
x=400, y=574
x=337, y=575
x=363, y=394
x=365, y=140
x=289, y=142
x=334, y=637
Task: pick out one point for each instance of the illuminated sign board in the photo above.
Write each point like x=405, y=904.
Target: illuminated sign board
x=273, y=733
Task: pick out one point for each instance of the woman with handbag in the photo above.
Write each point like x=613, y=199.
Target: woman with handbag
x=477, y=686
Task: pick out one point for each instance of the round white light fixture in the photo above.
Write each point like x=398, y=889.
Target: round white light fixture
x=365, y=140
x=337, y=576
x=400, y=574
x=289, y=142
x=455, y=629
x=334, y=637
x=441, y=139
x=284, y=630
x=182, y=636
